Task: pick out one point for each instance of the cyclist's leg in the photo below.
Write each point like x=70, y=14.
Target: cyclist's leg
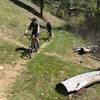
x=30, y=48
x=37, y=40
x=31, y=45
x=34, y=43
x=49, y=35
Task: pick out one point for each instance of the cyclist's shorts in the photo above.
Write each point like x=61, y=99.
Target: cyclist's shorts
x=49, y=33
x=35, y=34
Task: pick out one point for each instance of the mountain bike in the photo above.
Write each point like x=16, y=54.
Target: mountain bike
x=34, y=45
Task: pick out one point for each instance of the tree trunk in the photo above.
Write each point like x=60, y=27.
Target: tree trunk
x=41, y=7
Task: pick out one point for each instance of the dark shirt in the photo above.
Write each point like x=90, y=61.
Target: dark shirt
x=33, y=26
x=49, y=27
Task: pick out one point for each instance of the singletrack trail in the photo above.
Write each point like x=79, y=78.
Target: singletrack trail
x=9, y=73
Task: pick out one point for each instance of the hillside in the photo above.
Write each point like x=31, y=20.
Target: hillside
x=14, y=20
x=36, y=78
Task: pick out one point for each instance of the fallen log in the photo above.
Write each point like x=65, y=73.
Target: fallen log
x=84, y=50
x=78, y=82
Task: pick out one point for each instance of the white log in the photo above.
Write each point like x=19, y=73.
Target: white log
x=78, y=82
x=83, y=50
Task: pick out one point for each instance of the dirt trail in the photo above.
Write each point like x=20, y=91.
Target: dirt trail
x=9, y=73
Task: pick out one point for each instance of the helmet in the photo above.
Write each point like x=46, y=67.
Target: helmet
x=34, y=18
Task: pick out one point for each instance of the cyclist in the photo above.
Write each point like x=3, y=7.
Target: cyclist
x=34, y=28
x=49, y=30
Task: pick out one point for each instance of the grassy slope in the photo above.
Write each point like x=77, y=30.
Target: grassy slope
x=45, y=71
x=12, y=17
x=7, y=54
x=13, y=21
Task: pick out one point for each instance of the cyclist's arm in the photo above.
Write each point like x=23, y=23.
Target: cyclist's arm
x=30, y=26
x=38, y=29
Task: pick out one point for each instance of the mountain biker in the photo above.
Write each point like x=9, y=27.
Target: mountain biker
x=35, y=28
x=49, y=30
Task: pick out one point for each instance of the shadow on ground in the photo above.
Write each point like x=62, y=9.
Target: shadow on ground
x=25, y=53
x=26, y=7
